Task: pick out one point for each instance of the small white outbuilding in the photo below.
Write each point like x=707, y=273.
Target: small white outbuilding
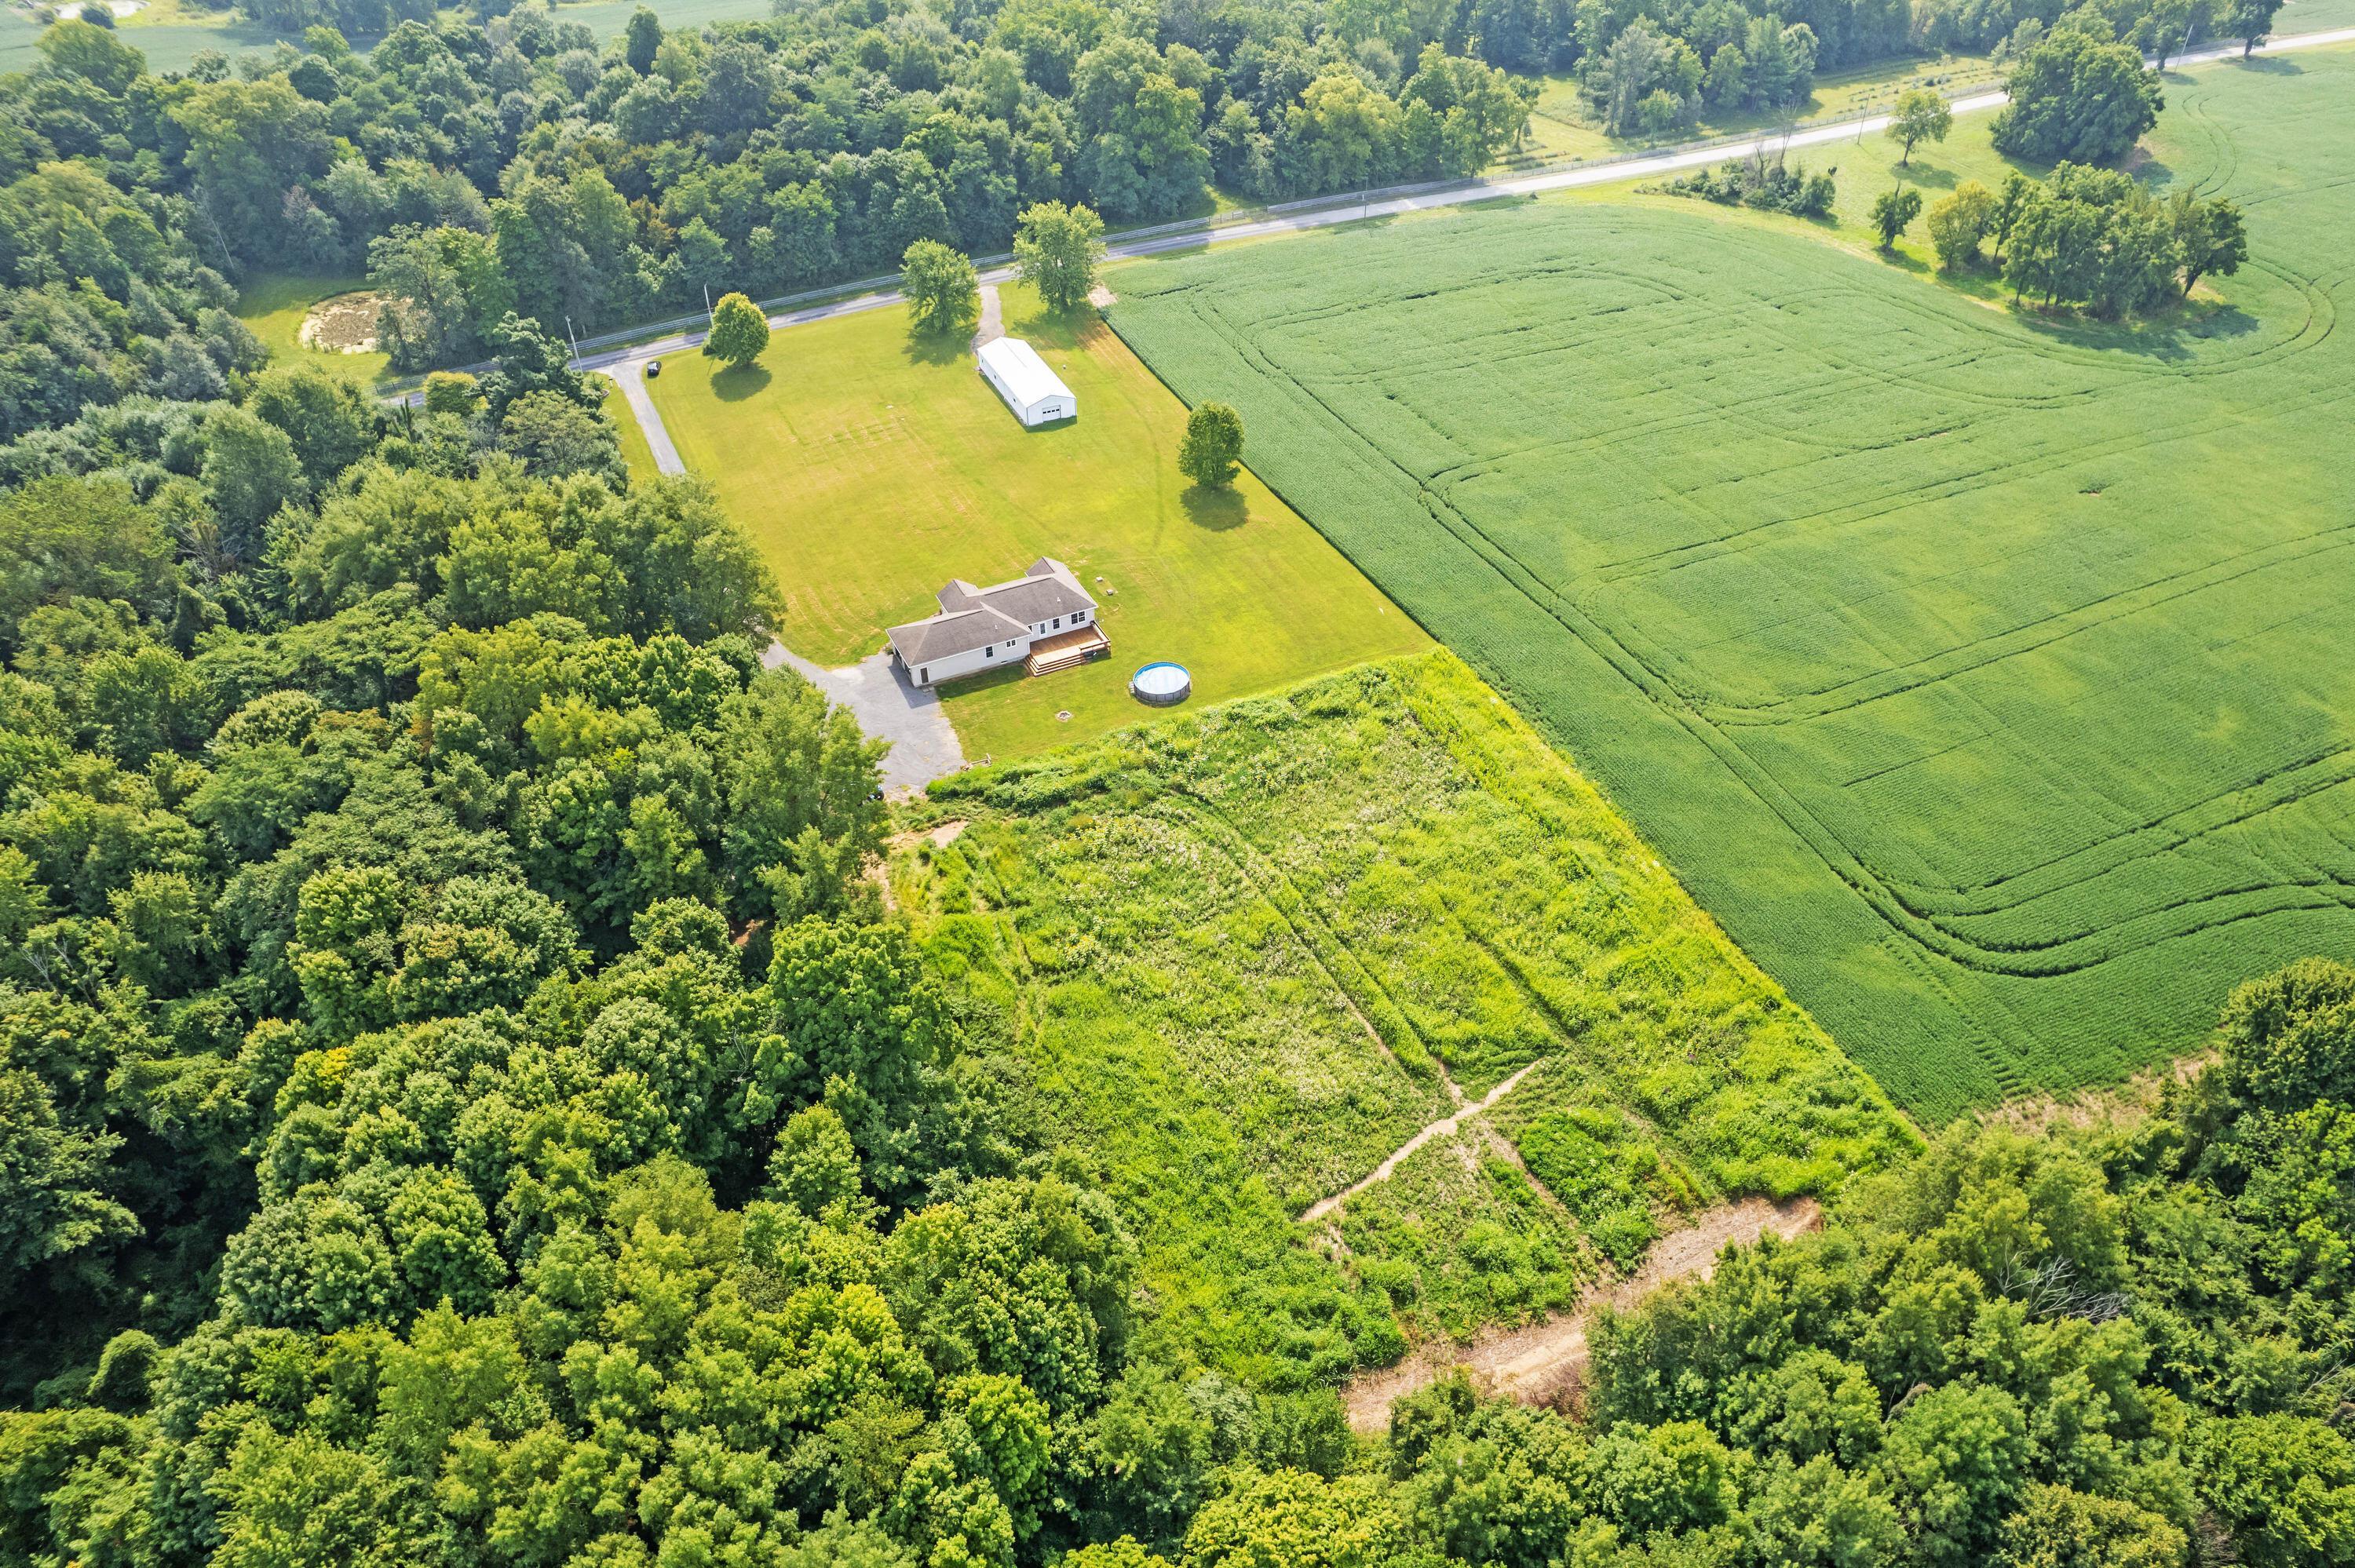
x=1036, y=394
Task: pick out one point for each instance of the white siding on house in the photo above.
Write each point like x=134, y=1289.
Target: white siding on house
x=941, y=646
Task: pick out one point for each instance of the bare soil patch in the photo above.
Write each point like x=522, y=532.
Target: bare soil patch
x=344, y=323
x=1443, y=1128
x=939, y=835
x=1542, y=1364
x=992, y=325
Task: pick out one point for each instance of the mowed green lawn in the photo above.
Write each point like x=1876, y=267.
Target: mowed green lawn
x=870, y=469
x=1987, y=676
x=636, y=455
x=1562, y=128
x=272, y=304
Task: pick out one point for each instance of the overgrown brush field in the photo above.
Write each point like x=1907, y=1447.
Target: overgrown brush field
x=1988, y=677
x=1250, y=954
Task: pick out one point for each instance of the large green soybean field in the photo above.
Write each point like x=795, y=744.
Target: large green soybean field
x=1246, y=957
x=1991, y=678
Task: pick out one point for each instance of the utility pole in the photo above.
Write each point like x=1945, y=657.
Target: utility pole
x=572, y=337
x=707, y=304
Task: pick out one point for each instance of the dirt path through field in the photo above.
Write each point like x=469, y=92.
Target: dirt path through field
x=1542, y=1364
x=1439, y=1129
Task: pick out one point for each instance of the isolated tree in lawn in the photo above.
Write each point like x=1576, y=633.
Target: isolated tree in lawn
x=1213, y=446
x=1893, y=211
x=1057, y=248
x=739, y=331
x=943, y=296
x=1922, y=116
x=2214, y=238
x=1958, y=223
x=2247, y=20
x=2075, y=98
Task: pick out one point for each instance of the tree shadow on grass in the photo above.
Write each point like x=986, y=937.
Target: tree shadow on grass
x=937, y=347
x=2167, y=336
x=1929, y=177
x=2271, y=65
x=737, y=382
x=1045, y=330
x=1216, y=510
x=2223, y=321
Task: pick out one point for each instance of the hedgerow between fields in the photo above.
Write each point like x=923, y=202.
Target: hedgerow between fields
x=1247, y=955
x=1984, y=674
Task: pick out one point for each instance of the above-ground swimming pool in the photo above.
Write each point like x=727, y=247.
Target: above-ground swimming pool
x=1161, y=683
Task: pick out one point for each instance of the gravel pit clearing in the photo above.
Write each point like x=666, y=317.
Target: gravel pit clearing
x=344, y=323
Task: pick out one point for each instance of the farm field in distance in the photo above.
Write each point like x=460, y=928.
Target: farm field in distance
x=1249, y=953
x=1985, y=674
x=172, y=34
x=872, y=469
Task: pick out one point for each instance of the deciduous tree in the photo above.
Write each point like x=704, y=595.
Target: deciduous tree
x=2077, y=98
x=1058, y=248
x=1922, y=116
x=739, y=331
x=1959, y=222
x=1213, y=446
x=2214, y=239
x=1891, y=211
x=2250, y=21
x=451, y=392
x=943, y=294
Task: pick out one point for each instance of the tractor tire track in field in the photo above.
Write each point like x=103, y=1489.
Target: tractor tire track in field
x=1899, y=904
x=2002, y=1066
x=1542, y=1364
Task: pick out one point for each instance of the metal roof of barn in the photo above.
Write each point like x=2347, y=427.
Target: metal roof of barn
x=1018, y=370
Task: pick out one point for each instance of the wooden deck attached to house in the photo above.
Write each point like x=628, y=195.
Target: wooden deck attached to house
x=1067, y=650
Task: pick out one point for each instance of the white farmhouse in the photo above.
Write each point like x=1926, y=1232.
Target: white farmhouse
x=1043, y=620
x=1036, y=394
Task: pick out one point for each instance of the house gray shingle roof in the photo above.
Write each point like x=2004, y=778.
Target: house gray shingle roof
x=956, y=632
x=970, y=618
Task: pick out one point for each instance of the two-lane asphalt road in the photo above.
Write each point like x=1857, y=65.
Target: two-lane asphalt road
x=627, y=366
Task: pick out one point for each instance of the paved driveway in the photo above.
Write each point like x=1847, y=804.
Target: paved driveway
x=631, y=379
x=923, y=743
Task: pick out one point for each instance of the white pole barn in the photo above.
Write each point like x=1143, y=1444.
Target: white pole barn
x=1036, y=394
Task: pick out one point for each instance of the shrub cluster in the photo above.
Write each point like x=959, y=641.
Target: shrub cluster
x=1757, y=182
